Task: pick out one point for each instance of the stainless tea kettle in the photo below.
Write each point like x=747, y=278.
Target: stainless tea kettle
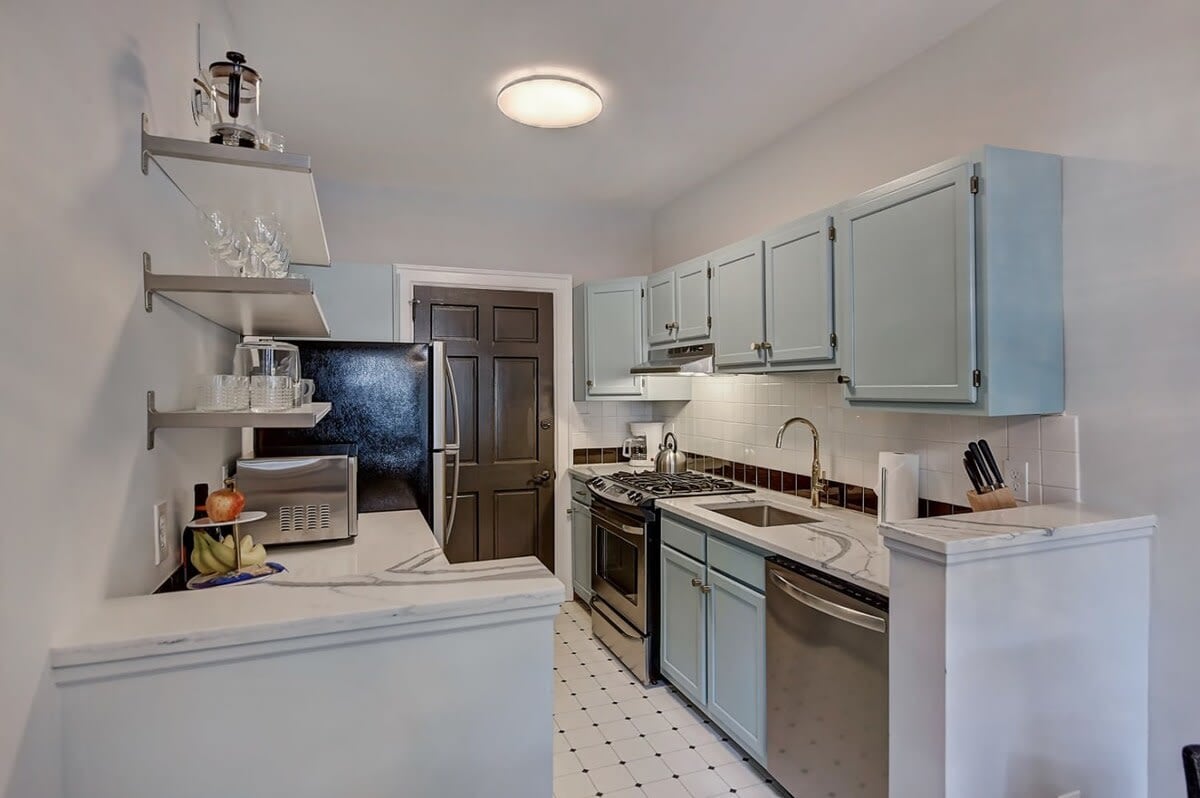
x=670, y=460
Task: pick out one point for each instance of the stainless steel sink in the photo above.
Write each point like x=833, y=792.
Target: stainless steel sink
x=759, y=514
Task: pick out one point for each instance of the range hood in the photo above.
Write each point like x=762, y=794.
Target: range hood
x=697, y=359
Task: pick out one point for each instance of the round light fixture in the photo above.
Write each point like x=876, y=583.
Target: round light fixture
x=549, y=101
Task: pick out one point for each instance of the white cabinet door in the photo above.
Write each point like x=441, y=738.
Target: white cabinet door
x=799, y=292
x=661, y=307
x=906, y=257
x=694, y=314
x=356, y=299
x=614, y=337
x=738, y=324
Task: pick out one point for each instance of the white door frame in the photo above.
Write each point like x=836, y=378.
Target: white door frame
x=559, y=285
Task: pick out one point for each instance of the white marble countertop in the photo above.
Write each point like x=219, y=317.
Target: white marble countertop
x=845, y=543
x=394, y=573
x=1018, y=526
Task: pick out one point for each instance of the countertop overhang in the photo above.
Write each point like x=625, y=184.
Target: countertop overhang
x=393, y=575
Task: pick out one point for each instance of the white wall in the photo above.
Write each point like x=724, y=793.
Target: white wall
x=1113, y=86
x=372, y=224
x=79, y=352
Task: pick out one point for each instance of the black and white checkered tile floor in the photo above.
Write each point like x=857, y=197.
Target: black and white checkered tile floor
x=615, y=738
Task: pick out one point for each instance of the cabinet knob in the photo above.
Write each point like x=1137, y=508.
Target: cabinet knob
x=590, y=383
x=843, y=379
x=697, y=582
x=570, y=511
x=755, y=346
x=667, y=326
x=766, y=344
x=705, y=588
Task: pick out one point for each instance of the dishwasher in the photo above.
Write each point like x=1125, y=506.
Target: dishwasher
x=827, y=683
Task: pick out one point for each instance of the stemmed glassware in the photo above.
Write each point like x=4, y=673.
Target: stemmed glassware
x=256, y=248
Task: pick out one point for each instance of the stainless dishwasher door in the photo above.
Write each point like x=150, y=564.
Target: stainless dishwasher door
x=827, y=686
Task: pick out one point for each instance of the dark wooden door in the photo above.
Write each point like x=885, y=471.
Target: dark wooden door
x=501, y=350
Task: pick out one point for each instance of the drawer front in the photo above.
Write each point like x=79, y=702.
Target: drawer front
x=743, y=565
x=682, y=537
x=579, y=492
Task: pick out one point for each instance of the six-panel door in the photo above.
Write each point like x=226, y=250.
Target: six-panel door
x=799, y=292
x=693, y=312
x=737, y=661
x=738, y=318
x=906, y=256
x=581, y=550
x=682, y=656
x=661, y=304
x=614, y=337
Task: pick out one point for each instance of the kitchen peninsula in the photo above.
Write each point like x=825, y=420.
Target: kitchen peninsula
x=364, y=669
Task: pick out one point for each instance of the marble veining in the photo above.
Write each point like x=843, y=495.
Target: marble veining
x=1018, y=526
x=841, y=542
x=393, y=573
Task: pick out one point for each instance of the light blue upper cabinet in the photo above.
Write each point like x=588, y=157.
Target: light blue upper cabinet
x=694, y=314
x=683, y=649
x=608, y=336
x=799, y=292
x=738, y=312
x=356, y=299
x=661, y=306
x=737, y=695
x=950, y=288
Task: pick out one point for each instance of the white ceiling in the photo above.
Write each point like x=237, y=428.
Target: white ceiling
x=402, y=94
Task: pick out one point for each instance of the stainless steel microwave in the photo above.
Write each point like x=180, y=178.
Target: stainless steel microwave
x=307, y=497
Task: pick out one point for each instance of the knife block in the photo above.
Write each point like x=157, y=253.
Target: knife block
x=998, y=499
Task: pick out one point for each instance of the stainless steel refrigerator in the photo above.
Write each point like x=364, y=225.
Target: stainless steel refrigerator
x=398, y=404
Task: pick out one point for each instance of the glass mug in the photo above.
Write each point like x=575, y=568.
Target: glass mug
x=275, y=394
x=216, y=392
x=303, y=392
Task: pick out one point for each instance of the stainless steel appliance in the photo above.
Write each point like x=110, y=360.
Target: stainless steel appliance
x=625, y=552
x=827, y=683
x=309, y=496
x=398, y=404
x=695, y=359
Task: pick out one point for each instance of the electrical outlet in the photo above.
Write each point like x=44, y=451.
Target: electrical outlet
x=162, y=522
x=1016, y=474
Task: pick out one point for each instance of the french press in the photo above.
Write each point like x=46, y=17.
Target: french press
x=227, y=96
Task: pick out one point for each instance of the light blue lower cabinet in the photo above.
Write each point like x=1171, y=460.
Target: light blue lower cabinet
x=713, y=630
x=581, y=550
x=737, y=697
x=683, y=647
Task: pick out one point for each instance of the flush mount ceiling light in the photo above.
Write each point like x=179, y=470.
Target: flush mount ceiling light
x=551, y=101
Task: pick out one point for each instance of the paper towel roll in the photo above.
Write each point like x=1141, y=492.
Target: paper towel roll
x=898, y=499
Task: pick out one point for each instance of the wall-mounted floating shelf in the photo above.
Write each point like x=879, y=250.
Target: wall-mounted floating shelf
x=304, y=417
x=241, y=182
x=283, y=307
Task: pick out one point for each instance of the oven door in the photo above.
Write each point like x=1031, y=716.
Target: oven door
x=619, y=562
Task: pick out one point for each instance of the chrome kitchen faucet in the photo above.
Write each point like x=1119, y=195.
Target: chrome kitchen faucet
x=817, y=477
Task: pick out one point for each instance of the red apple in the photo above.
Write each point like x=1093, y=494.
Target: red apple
x=225, y=504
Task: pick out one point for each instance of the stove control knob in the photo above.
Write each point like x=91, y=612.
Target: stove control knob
x=635, y=497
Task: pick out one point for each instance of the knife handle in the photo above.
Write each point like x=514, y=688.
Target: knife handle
x=990, y=460
x=977, y=458
x=973, y=473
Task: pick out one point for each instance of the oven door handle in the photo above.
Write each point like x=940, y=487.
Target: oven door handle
x=595, y=604
x=606, y=520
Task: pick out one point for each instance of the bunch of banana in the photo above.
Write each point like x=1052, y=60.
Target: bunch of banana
x=213, y=557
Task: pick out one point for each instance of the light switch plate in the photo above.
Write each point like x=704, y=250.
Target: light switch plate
x=162, y=523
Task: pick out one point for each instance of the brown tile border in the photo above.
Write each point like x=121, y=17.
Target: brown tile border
x=852, y=497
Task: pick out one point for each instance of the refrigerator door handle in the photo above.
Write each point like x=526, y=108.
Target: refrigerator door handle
x=439, y=498
x=439, y=366
x=453, y=448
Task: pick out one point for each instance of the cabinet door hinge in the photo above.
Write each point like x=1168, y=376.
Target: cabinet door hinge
x=833, y=340
x=710, y=322
x=974, y=184
x=977, y=378
x=709, y=270
x=643, y=293
x=832, y=233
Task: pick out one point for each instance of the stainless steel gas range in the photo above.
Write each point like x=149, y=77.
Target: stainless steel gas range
x=625, y=552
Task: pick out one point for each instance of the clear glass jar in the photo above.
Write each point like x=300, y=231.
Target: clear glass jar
x=264, y=357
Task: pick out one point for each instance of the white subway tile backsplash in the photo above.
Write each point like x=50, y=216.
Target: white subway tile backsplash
x=1052, y=494
x=1060, y=469
x=1060, y=433
x=735, y=417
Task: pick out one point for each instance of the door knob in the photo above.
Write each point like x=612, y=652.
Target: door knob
x=542, y=478
x=546, y=423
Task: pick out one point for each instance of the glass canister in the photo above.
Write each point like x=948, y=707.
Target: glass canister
x=234, y=91
x=273, y=369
